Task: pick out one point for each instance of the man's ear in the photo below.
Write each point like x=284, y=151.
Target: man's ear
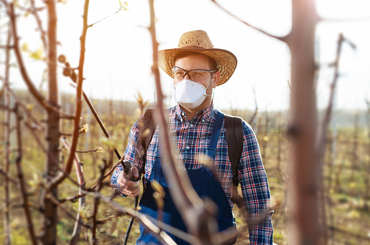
x=216, y=79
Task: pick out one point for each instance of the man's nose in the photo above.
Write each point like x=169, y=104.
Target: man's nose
x=187, y=76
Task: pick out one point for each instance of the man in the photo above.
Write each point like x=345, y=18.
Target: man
x=197, y=69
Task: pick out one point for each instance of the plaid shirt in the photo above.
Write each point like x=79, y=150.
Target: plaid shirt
x=192, y=140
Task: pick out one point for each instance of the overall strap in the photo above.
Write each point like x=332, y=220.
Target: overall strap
x=211, y=151
x=234, y=138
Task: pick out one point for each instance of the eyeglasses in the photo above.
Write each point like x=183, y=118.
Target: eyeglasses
x=195, y=75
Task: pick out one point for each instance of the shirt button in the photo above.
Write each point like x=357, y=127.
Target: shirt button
x=191, y=125
x=188, y=147
x=203, y=120
x=183, y=113
x=180, y=119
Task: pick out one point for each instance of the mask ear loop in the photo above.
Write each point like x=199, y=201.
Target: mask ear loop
x=205, y=92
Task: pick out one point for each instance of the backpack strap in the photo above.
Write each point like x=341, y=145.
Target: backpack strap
x=146, y=132
x=234, y=138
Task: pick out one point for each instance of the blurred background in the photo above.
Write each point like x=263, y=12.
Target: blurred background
x=119, y=80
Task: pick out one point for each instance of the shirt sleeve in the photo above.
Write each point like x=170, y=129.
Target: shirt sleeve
x=255, y=190
x=133, y=154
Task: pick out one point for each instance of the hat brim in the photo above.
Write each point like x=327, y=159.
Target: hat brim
x=225, y=60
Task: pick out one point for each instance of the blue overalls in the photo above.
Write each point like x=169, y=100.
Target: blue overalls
x=204, y=183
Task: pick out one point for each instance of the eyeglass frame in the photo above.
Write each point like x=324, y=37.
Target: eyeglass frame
x=187, y=71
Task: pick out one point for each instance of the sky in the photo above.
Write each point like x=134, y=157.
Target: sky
x=119, y=55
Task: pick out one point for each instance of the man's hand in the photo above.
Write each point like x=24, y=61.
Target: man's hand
x=127, y=187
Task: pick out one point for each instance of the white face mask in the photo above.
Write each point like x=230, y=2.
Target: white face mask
x=189, y=94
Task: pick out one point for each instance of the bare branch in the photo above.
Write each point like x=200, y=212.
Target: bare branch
x=20, y=103
x=322, y=137
x=65, y=134
x=40, y=143
x=72, y=198
x=197, y=215
x=21, y=180
x=6, y=47
x=345, y=20
x=89, y=151
x=81, y=196
x=109, y=173
x=34, y=11
x=7, y=132
x=283, y=39
x=157, y=232
x=79, y=91
x=29, y=9
x=8, y=177
x=5, y=108
x=69, y=215
x=91, y=25
x=96, y=204
x=73, y=77
x=113, y=227
x=252, y=120
x=42, y=101
x=63, y=175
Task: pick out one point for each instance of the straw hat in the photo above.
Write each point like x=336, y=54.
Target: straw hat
x=199, y=42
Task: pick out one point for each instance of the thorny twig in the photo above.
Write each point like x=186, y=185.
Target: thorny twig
x=76, y=128
x=73, y=77
x=62, y=174
x=6, y=47
x=242, y=21
x=154, y=228
x=91, y=25
x=253, y=119
x=69, y=215
x=8, y=177
x=40, y=143
x=21, y=179
x=21, y=104
x=112, y=228
x=36, y=94
x=96, y=203
x=323, y=130
x=7, y=132
x=34, y=11
x=89, y=151
x=72, y=198
x=81, y=196
x=109, y=173
x=6, y=108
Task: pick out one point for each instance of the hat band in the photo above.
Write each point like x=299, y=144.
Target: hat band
x=192, y=47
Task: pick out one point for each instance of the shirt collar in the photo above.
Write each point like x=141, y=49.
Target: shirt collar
x=206, y=114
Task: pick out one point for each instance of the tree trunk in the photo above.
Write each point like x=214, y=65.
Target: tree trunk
x=304, y=122
x=50, y=218
x=7, y=126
